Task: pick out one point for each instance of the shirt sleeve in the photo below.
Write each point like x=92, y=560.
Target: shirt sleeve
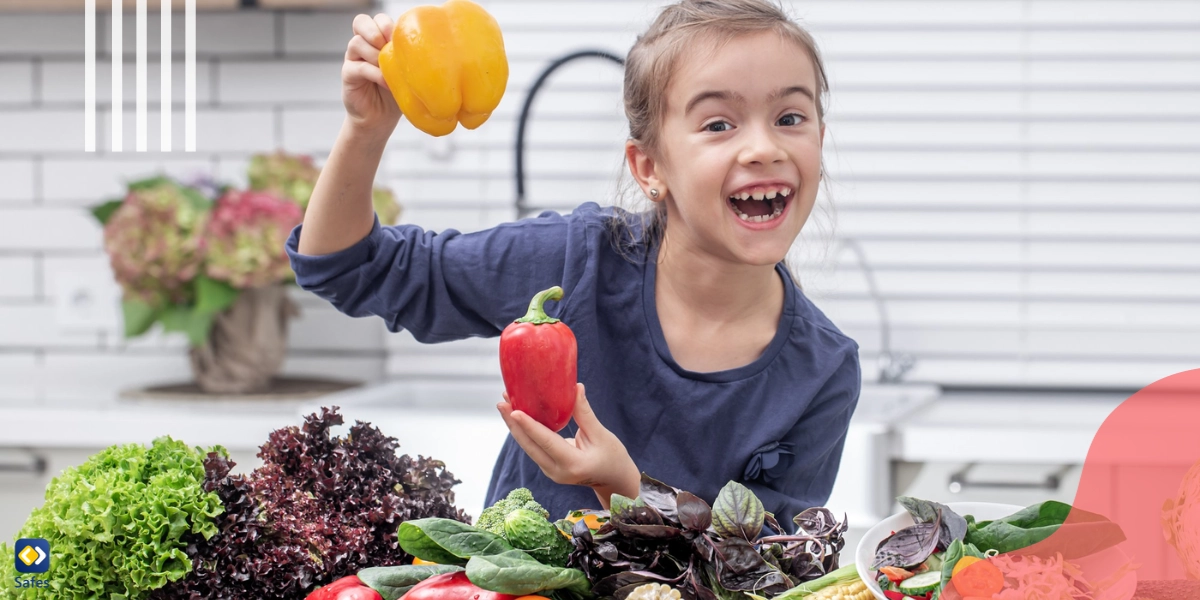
x=449, y=285
x=816, y=441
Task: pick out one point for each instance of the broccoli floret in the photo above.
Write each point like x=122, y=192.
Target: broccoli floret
x=492, y=517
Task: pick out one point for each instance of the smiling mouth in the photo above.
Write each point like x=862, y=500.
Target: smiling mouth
x=761, y=205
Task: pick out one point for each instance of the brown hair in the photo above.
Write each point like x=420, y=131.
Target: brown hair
x=653, y=60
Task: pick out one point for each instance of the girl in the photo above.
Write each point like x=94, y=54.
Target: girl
x=704, y=360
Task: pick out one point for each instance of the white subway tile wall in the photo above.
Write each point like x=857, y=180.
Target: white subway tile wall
x=265, y=80
x=1023, y=177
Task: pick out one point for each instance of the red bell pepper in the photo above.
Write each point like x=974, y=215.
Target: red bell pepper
x=452, y=586
x=346, y=588
x=538, y=362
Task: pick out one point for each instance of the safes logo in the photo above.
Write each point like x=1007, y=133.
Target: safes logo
x=32, y=555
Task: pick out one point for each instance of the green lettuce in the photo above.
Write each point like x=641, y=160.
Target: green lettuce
x=119, y=523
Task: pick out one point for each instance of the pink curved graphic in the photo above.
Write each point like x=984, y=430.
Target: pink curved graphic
x=1134, y=527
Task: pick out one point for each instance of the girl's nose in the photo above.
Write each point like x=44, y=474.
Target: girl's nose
x=760, y=147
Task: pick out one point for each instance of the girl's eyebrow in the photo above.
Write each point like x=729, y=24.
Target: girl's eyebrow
x=732, y=96
x=725, y=95
x=788, y=91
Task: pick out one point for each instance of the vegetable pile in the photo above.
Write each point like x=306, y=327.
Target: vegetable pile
x=168, y=522
x=119, y=523
x=320, y=507
x=946, y=554
x=667, y=544
x=673, y=537
x=523, y=554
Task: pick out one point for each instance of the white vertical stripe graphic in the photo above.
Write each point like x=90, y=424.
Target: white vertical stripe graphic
x=118, y=60
x=189, y=70
x=141, y=75
x=89, y=76
x=165, y=128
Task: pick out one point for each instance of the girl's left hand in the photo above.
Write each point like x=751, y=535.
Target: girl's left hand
x=594, y=457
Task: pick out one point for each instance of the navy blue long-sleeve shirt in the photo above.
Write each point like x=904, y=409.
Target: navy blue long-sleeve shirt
x=776, y=425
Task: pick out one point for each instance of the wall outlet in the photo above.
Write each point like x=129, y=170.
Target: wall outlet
x=87, y=302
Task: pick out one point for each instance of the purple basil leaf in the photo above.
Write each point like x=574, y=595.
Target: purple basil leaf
x=909, y=546
x=659, y=495
x=738, y=512
x=694, y=512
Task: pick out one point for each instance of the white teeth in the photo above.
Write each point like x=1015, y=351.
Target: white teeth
x=744, y=196
x=744, y=216
x=786, y=191
x=771, y=195
x=758, y=195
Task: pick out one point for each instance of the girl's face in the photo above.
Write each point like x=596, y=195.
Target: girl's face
x=740, y=149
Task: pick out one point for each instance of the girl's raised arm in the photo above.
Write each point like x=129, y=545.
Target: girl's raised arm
x=340, y=212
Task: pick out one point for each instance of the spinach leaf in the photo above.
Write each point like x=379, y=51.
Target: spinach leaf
x=518, y=574
x=738, y=512
x=1086, y=533
x=393, y=582
x=447, y=542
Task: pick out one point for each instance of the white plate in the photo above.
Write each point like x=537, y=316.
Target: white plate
x=864, y=555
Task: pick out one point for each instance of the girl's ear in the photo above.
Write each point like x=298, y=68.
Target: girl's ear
x=645, y=171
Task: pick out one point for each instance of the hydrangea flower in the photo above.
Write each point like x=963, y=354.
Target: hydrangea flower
x=294, y=177
x=287, y=175
x=244, y=241
x=154, y=242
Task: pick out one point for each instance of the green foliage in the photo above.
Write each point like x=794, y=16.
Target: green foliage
x=117, y=523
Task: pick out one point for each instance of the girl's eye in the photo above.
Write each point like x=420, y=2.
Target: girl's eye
x=717, y=126
x=791, y=119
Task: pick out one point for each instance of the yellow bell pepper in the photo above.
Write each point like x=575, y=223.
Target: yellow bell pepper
x=446, y=65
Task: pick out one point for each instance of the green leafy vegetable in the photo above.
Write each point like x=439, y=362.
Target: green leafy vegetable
x=394, y=582
x=618, y=503
x=516, y=573
x=117, y=523
x=738, y=512
x=448, y=542
x=1089, y=532
x=953, y=554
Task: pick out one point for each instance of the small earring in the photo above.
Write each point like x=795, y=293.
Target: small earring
x=653, y=193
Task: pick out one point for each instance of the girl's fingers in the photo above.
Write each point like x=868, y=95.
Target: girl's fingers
x=354, y=71
x=522, y=437
x=585, y=417
x=360, y=49
x=369, y=29
x=551, y=443
x=386, y=26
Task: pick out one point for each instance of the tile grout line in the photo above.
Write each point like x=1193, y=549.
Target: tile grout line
x=39, y=277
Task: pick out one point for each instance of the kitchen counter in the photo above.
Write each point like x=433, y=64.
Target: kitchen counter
x=235, y=424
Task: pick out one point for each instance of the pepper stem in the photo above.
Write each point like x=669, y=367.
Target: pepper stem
x=537, y=311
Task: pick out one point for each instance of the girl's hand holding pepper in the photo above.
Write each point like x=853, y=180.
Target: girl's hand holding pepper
x=369, y=104
x=594, y=457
